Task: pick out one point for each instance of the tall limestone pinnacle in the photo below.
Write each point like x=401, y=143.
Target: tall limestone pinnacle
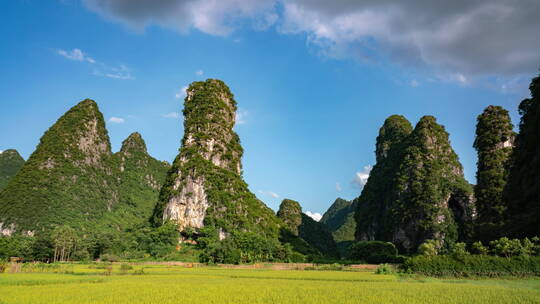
x=205, y=186
x=373, y=221
x=10, y=163
x=494, y=142
x=416, y=191
x=434, y=199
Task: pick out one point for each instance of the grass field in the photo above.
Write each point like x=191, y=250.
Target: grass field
x=176, y=284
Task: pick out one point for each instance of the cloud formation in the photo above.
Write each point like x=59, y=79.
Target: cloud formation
x=182, y=93
x=360, y=179
x=99, y=68
x=207, y=16
x=241, y=116
x=269, y=193
x=460, y=37
x=171, y=115
x=76, y=55
x=314, y=215
x=338, y=187
x=117, y=120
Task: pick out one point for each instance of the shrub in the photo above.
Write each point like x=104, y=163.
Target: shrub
x=473, y=265
x=124, y=268
x=3, y=266
x=385, y=269
x=506, y=247
x=429, y=248
x=107, y=257
x=459, y=250
x=479, y=248
x=373, y=252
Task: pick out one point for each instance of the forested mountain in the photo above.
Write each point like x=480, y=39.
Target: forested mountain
x=205, y=185
x=417, y=190
x=72, y=178
x=373, y=218
x=339, y=218
x=494, y=141
x=10, y=163
x=522, y=192
x=316, y=234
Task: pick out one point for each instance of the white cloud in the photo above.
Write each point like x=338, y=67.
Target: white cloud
x=338, y=187
x=182, y=93
x=241, y=116
x=99, y=69
x=121, y=72
x=199, y=72
x=414, y=83
x=207, y=16
x=314, y=215
x=461, y=39
x=269, y=193
x=76, y=55
x=361, y=177
x=171, y=115
x=1, y=151
x=117, y=120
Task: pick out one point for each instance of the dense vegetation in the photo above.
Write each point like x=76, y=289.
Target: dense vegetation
x=72, y=178
x=502, y=257
x=374, y=252
x=315, y=234
x=416, y=191
x=373, y=218
x=522, y=192
x=339, y=218
x=494, y=140
x=10, y=163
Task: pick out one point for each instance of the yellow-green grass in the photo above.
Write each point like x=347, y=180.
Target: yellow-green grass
x=176, y=284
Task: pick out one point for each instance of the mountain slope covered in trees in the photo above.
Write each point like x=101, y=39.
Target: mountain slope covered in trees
x=10, y=163
x=312, y=232
x=522, y=192
x=72, y=178
x=417, y=190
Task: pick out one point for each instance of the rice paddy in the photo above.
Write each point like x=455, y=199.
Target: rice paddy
x=177, y=284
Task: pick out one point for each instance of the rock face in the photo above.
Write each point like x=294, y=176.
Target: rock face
x=205, y=186
x=417, y=190
x=339, y=218
x=494, y=142
x=522, y=192
x=10, y=163
x=314, y=233
x=73, y=178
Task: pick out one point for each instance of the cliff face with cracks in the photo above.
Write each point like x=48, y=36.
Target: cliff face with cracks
x=204, y=185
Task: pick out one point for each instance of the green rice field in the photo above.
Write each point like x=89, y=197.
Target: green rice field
x=177, y=284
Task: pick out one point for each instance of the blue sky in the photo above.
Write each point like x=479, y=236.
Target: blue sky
x=314, y=81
